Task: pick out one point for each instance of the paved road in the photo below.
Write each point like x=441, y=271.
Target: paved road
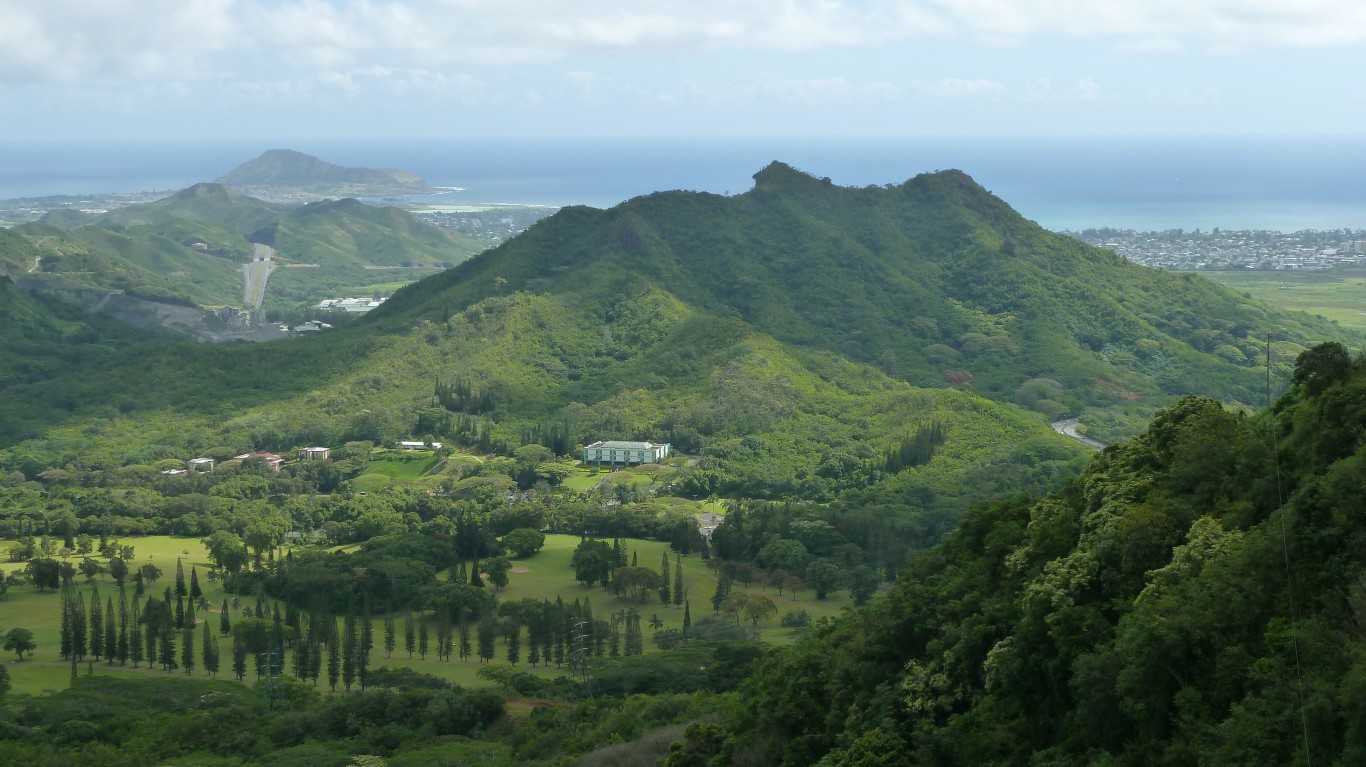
x=1068, y=427
x=256, y=272
x=37, y=262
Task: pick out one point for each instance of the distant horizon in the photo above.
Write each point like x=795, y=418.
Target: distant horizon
x=1144, y=183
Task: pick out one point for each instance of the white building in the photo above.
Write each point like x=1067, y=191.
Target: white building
x=199, y=464
x=627, y=453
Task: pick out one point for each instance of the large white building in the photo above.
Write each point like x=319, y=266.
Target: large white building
x=618, y=452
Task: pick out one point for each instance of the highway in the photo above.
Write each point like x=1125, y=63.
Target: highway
x=256, y=272
x=1068, y=428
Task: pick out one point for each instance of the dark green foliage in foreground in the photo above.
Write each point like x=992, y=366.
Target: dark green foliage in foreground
x=403, y=716
x=1196, y=597
x=109, y=721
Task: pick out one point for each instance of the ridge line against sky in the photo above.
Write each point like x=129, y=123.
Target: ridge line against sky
x=119, y=69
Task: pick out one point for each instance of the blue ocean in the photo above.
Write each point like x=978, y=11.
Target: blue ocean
x=1287, y=184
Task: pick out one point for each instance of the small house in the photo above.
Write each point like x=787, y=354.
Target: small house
x=199, y=464
x=314, y=453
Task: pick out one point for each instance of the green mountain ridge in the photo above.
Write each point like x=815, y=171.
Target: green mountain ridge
x=188, y=247
x=934, y=280
x=773, y=332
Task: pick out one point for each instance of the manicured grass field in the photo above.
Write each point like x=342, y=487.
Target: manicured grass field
x=583, y=480
x=546, y=575
x=1338, y=296
x=402, y=464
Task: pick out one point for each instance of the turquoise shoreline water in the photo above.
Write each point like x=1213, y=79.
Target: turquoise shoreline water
x=1136, y=183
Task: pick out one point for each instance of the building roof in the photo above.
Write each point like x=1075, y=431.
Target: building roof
x=614, y=444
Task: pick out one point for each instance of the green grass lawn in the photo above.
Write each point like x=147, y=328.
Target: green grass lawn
x=546, y=575
x=583, y=480
x=402, y=464
x=1338, y=296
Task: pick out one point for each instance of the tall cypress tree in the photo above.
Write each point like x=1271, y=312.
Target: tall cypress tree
x=96, y=623
x=275, y=654
x=135, y=632
x=111, y=632
x=488, y=632
x=678, y=581
x=180, y=589
x=187, y=650
x=563, y=630
x=333, y=654
x=122, y=648
x=166, y=648
x=422, y=640
x=196, y=593
x=224, y=622
x=687, y=618
x=665, y=593
x=512, y=637
x=366, y=642
x=207, y=648
x=239, y=658
x=409, y=632
x=315, y=654
x=78, y=632
x=350, y=649
x=301, y=657
x=722, y=591
x=464, y=628
x=390, y=640
x=68, y=633
x=210, y=651
x=443, y=632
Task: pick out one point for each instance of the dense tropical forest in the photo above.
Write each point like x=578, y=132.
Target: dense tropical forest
x=867, y=547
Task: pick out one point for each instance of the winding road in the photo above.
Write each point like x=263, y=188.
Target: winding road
x=1068, y=428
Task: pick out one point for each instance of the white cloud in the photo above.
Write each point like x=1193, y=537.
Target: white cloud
x=58, y=40
x=954, y=87
x=828, y=90
x=113, y=39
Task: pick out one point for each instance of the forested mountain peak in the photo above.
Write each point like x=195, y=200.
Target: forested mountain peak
x=779, y=175
x=206, y=202
x=935, y=280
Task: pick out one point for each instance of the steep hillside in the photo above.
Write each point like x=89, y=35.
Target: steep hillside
x=141, y=263
x=211, y=204
x=44, y=342
x=790, y=337
x=934, y=281
x=189, y=248
x=1198, y=596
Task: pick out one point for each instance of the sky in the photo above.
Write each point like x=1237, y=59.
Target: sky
x=244, y=69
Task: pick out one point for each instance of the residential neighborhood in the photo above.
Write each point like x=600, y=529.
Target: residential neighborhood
x=1182, y=250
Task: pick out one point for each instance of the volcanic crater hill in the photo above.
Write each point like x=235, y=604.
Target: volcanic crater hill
x=935, y=281
x=288, y=168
